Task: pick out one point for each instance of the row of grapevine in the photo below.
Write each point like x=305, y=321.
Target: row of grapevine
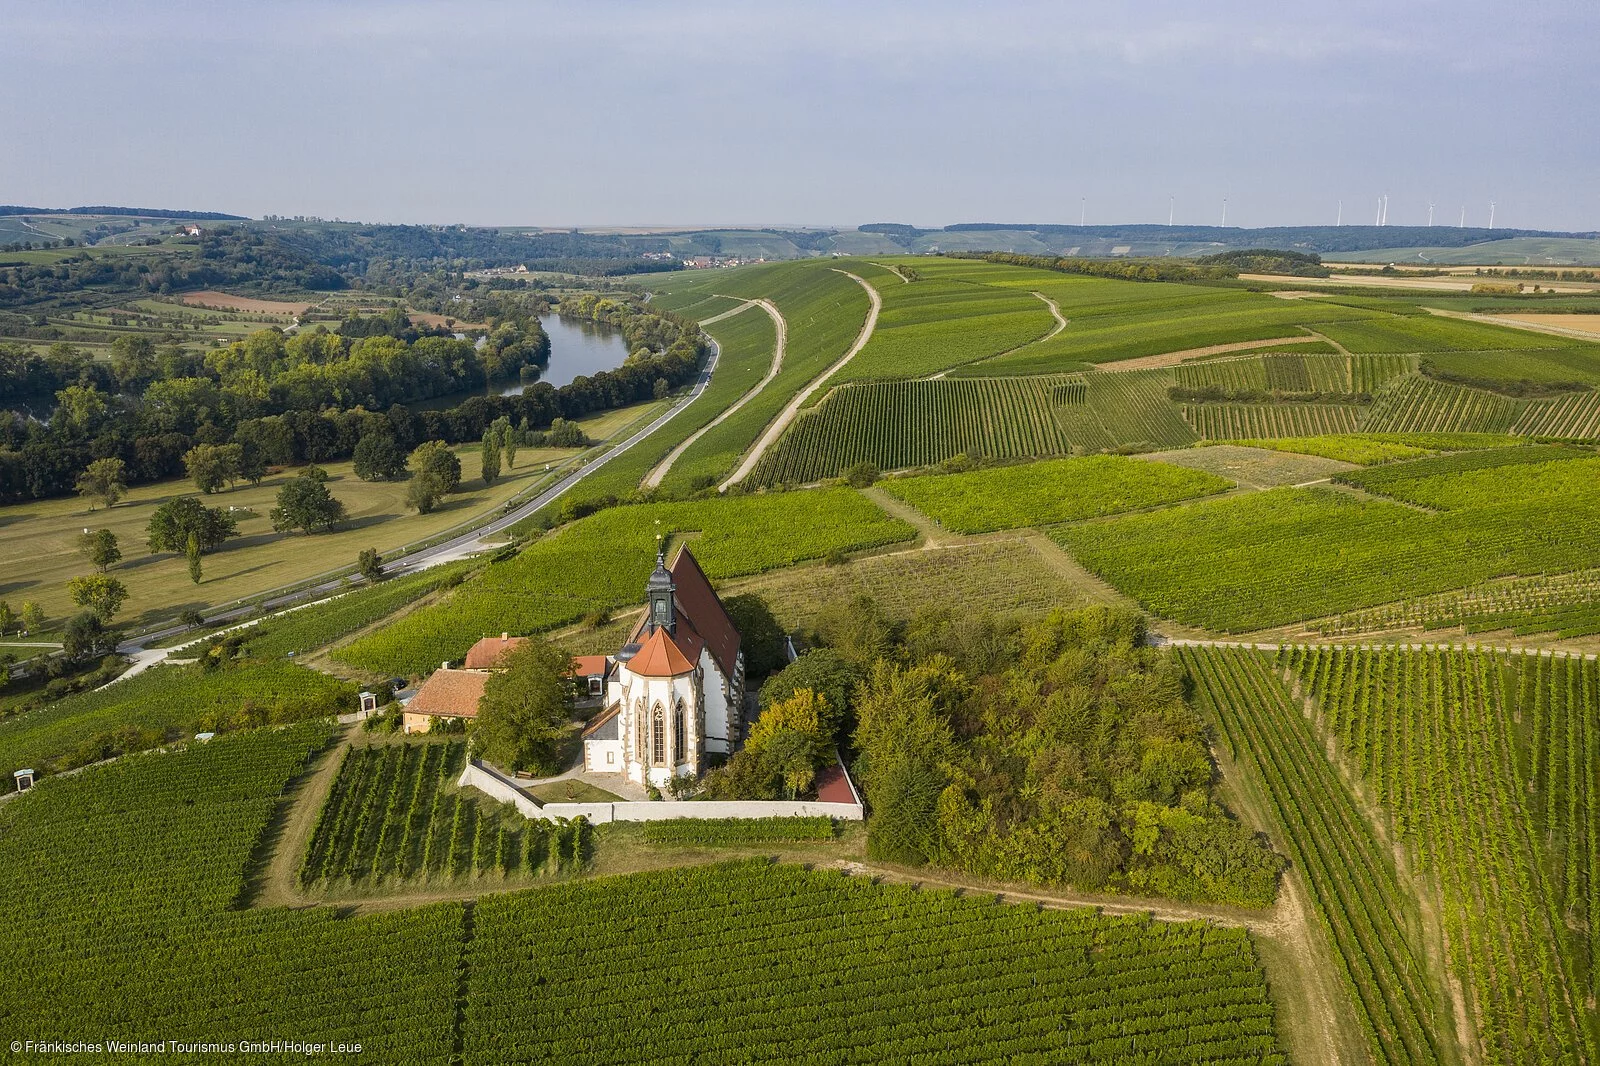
x=120, y=889
x=1346, y=871
x=749, y=962
x=1422, y=405
x=392, y=813
x=737, y=830
x=1124, y=408
x=1454, y=745
x=1296, y=372
x=1242, y=421
x=916, y=423
x=1567, y=604
x=1574, y=414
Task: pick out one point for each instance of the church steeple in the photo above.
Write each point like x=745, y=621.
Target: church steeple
x=661, y=590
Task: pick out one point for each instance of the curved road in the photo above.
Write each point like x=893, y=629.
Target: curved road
x=779, y=424
x=457, y=547
x=781, y=329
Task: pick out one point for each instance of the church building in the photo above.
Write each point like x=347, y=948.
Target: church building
x=675, y=694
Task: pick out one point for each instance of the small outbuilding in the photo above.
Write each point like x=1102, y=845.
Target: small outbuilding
x=24, y=779
x=448, y=693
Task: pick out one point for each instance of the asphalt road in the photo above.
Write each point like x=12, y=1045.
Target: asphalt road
x=457, y=547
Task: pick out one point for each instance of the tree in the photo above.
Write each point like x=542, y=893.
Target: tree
x=378, y=458
x=32, y=617
x=525, y=708
x=823, y=671
x=435, y=457
x=99, y=593
x=104, y=481
x=191, y=551
x=172, y=523
x=192, y=618
x=100, y=547
x=305, y=503
x=862, y=475
x=252, y=465
x=792, y=737
x=761, y=637
x=370, y=565
x=86, y=637
x=8, y=618
x=424, y=492
x=210, y=466
x=509, y=439
x=491, y=457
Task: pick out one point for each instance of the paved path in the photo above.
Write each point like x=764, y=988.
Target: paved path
x=459, y=547
x=779, y=424
x=652, y=479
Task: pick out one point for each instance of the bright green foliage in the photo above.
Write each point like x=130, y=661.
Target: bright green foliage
x=1481, y=479
x=1416, y=333
x=936, y=323
x=394, y=814
x=746, y=963
x=162, y=704
x=1485, y=769
x=601, y=563
x=1288, y=555
x=319, y=625
x=1361, y=449
x=1062, y=490
x=715, y=831
x=526, y=705
x=1346, y=872
x=119, y=889
x=1523, y=370
x=1123, y=409
x=1231, y=421
x=915, y=423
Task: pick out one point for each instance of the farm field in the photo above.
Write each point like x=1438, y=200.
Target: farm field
x=39, y=550
x=600, y=563
x=163, y=704
x=1048, y=493
x=1290, y=555
x=395, y=814
x=1582, y=323
x=1567, y=605
x=1507, y=834
x=159, y=844
x=1255, y=466
x=921, y=974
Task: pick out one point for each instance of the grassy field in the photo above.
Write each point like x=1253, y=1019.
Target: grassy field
x=1065, y=490
x=39, y=552
x=1289, y=555
x=599, y=564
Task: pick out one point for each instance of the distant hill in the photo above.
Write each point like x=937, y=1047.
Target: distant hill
x=137, y=212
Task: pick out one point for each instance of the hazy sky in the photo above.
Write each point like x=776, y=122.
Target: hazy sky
x=819, y=113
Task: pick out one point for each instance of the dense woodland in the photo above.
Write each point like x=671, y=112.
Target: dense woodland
x=310, y=397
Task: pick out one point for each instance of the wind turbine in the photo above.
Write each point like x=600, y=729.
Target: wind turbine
x=1172, y=206
x=1083, y=209
x=1378, y=221
x=1463, y=216
x=1385, y=209
x=1340, y=222
x=1224, y=211
x=1430, y=214
x=1491, y=214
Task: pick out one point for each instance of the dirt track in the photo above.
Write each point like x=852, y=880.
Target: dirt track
x=1153, y=362
x=653, y=478
x=779, y=424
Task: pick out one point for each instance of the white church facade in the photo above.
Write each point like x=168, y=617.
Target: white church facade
x=674, y=693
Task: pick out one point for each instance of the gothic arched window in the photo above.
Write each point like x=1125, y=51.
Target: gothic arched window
x=658, y=735
x=638, y=731
x=680, y=735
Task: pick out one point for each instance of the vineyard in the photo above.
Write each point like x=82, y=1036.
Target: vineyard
x=1432, y=333
x=1291, y=555
x=1574, y=414
x=1237, y=421
x=161, y=705
x=900, y=424
x=1292, y=372
x=1485, y=769
x=600, y=563
x=320, y=624
x=716, y=831
x=1126, y=409
x=753, y=962
x=1039, y=494
x=119, y=888
x=1422, y=405
x=394, y=814
x=1370, y=449
x=1567, y=605
x=1370, y=921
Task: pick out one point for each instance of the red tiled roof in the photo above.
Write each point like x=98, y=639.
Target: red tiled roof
x=450, y=694
x=659, y=657
x=486, y=654
x=588, y=666
x=832, y=784
x=698, y=601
